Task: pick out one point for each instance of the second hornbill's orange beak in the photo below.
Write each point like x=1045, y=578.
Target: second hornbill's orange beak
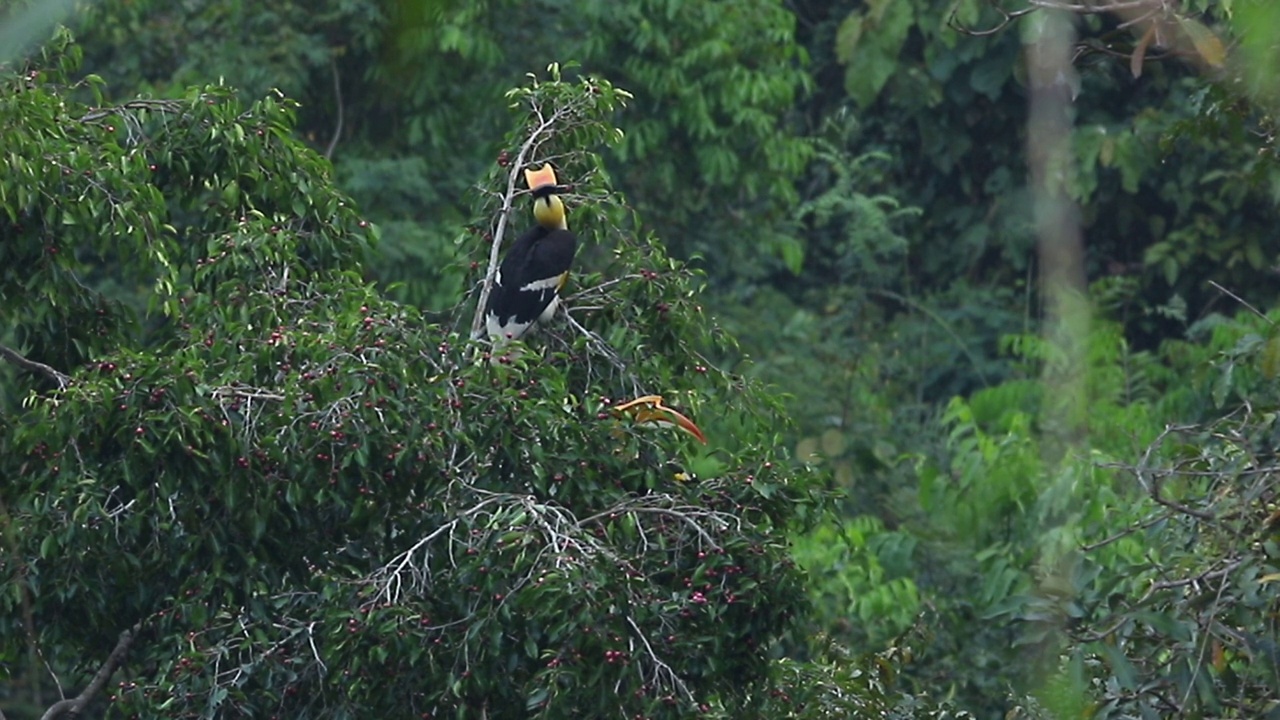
x=650, y=410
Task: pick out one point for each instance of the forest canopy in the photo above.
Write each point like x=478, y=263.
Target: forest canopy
x=970, y=304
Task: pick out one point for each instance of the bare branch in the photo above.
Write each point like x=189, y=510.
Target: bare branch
x=1184, y=509
x=1153, y=481
x=74, y=706
x=14, y=357
x=599, y=345
x=1098, y=8
x=168, y=106
x=1242, y=301
x=599, y=289
x=662, y=668
x=1159, y=17
x=1006, y=17
x=567, y=540
x=337, y=94
x=247, y=393
x=315, y=652
x=1202, y=577
x=1139, y=18
x=1126, y=532
x=389, y=577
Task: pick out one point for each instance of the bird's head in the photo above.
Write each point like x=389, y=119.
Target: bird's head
x=548, y=208
x=649, y=410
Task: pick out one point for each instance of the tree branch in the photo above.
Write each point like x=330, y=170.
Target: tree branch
x=1202, y=577
x=660, y=667
x=167, y=106
x=74, y=706
x=1153, y=480
x=247, y=393
x=337, y=93
x=14, y=357
x=1098, y=8
x=1242, y=301
x=1007, y=17
x=1126, y=532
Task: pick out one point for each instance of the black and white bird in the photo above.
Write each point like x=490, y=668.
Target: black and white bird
x=528, y=283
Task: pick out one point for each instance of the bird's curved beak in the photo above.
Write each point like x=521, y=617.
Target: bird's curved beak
x=681, y=422
x=649, y=409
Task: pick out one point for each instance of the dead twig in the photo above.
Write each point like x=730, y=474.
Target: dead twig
x=1242, y=301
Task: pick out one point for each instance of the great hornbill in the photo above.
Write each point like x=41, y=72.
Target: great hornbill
x=649, y=410
x=527, y=287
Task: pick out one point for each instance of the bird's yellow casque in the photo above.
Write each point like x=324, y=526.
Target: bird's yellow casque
x=649, y=410
x=535, y=269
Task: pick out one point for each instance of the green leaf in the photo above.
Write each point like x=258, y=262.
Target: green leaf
x=874, y=57
x=848, y=36
x=989, y=76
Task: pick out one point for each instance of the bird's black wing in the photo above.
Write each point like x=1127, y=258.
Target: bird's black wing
x=529, y=280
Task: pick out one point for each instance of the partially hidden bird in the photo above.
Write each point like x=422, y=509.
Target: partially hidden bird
x=648, y=410
x=528, y=283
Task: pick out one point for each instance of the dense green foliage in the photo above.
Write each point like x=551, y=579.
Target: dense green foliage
x=830, y=200
x=293, y=490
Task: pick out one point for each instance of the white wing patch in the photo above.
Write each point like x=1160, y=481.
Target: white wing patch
x=508, y=328
x=551, y=283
